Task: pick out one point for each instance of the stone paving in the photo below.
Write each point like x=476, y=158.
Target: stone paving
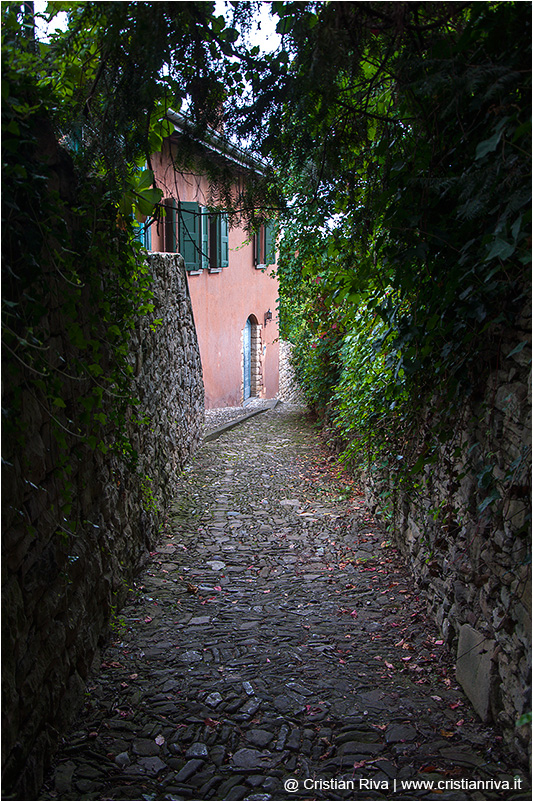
x=217, y=421
x=276, y=648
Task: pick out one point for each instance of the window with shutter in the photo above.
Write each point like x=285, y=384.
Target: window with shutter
x=190, y=235
x=203, y=237
x=215, y=240
x=265, y=245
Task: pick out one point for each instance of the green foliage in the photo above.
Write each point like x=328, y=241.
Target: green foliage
x=402, y=143
x=398, y=140
x=524, y=719
x=122, y=65
x=366, y=398
x=81, y=116
x=149, y=501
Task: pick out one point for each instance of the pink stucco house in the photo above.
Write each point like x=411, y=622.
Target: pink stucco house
x=234, y=295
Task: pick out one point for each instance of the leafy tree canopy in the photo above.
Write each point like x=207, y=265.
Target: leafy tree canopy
x=401, y=138
x=82, y=114
x=396, y=138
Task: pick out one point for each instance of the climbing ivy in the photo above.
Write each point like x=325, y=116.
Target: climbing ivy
x=403, y=146
x=82, y=113
x=398, y=146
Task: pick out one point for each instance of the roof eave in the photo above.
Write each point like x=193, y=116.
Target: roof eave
x=219, y=144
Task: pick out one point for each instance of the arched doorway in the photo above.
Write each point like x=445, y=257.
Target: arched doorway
x=251, y=359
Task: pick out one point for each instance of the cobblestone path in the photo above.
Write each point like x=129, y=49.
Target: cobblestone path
x=276, y=648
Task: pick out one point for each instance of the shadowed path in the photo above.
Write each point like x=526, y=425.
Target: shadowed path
x=275, y=638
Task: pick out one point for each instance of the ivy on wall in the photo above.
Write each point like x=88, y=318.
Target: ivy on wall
x=82, y=113
x=72, y=288
x=404, y=152
x=399, y=142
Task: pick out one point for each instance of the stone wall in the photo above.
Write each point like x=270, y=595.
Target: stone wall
x=256, y=385
x=289, y=390
x=62, y=585
x=466, y=533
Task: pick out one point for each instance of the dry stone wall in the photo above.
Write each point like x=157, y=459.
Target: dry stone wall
x=473, y=557
x=289, y=390
x=256, y=388
x=62, y=588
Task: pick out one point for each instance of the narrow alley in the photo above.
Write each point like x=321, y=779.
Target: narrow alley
x=276, y=648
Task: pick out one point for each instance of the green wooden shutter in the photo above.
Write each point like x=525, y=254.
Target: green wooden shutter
x=223, y=241
x=205, y=237
x=189, y=230
x=270, y=241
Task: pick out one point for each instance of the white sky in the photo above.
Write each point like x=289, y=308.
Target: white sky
x=265, y=37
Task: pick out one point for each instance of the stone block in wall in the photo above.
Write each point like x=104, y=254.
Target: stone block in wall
x=512, y=400
x=475, y=668
x=516, y=686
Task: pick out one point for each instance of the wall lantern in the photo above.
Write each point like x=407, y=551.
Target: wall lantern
x=268, y=316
